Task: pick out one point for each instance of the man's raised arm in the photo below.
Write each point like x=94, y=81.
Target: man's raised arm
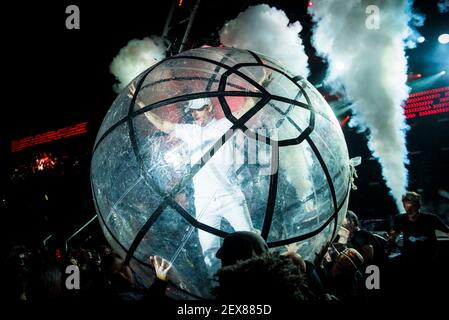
x=158, y=122
x=251, y=101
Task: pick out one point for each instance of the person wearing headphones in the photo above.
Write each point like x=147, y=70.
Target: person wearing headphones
x=416, y=270
x=418, y=228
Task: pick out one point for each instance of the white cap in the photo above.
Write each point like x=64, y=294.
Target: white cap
x=198, y=103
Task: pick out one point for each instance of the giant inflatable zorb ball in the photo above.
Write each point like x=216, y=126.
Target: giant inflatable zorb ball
x=211, y=141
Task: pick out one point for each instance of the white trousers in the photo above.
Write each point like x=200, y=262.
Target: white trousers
x=210, y=211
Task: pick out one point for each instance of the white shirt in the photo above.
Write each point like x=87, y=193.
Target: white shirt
x=218, y=176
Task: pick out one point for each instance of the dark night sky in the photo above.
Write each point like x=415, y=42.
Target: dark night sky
x=57, y=77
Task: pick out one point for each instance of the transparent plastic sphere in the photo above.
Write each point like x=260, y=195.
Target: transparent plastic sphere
x=211, y=141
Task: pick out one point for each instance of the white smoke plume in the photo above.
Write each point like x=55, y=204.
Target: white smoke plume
x=443, y=6
x=134, y=58
x=416, y=20
x=268, y=31
x=370, y=65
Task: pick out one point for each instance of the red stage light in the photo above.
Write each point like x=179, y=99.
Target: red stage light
x=58, y=254
x=427, y=103
x=77, y=129
x=344, y=121
x=413, y=76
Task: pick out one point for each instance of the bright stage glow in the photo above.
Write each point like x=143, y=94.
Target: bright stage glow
x=444, y=38
x=340, y=66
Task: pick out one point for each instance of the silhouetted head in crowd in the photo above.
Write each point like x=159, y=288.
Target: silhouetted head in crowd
x=263, y=278
x=412, y=203
x=347, y=263
x=241, y=245
x=296, y=259
x=352, y=219
x=45, y=284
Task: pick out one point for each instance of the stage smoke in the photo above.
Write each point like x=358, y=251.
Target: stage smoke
x=374, y=74
x=443, y=6
x=268, y=31
x=135, y=57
